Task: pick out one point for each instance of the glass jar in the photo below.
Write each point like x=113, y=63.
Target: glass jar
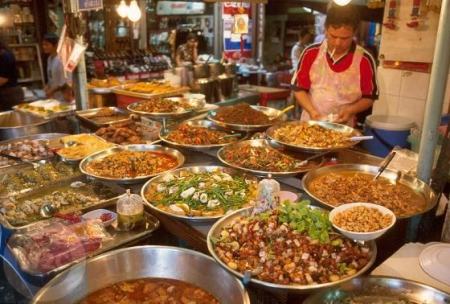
x=130, y=212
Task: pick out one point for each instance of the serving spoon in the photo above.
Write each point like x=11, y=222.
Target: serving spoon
x=285, y=110
x=384, y=165
x=47, y=210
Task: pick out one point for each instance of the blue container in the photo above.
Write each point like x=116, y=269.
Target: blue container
x=388, y=132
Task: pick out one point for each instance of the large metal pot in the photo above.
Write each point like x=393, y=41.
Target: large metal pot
x=77, y=282
x=201, y=71
x=215, y=69
x=206, y=87
x=16, y=124
x=226, y=84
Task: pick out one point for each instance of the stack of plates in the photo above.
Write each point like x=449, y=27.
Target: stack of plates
x=435, y=261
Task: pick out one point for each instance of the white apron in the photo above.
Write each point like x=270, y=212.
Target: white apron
x=331, y=90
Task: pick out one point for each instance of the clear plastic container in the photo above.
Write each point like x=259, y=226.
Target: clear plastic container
x=130, y=212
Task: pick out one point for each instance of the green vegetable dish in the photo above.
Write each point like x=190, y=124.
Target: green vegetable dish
x=201, y=194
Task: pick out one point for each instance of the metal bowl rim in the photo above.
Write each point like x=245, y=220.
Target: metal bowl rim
x=302, y=288
x=35, y=299
x=35, y=124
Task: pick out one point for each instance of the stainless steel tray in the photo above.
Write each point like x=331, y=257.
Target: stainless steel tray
x=119, y=239
x=328, y=125
x=197, y=123
x=214, y=233
x=77, y=160
x=264, y=143
x=415, y=184
x=271, y=112
x=51, y=138
x=59, y=185
x=177, y=172
x=382, y=290
x=86, y=115
x=135, y=180
x=123, y=90
x=46, y=115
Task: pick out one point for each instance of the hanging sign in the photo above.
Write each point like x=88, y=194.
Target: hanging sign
x=179, y=8
x=240, y=24
x=87, y=5
x=233, y=8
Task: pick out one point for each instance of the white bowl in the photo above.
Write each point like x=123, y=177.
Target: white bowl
x=95, y=214
x=362, y=236
x=288, y=196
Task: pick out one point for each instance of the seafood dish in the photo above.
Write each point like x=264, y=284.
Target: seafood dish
x=311, y=135
x=337, y=188
x=196, y=135
x=5, y=162
x=59, y=243
x=23, y=210
x=79, y=146
x=242, y=114
x=24, y=179
x=27, y=149
x=293, y=244
x=131, y=164
x=260, y=158
x=152, y=87
x=127, y=133
x=151, y=290
x=202, y=193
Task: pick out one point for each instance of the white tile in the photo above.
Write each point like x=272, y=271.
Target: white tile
x=389, y=81
x=386, y=105
x=412, y=108
x=414, y=85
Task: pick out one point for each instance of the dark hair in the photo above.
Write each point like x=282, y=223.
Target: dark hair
x=303, y=33
x=191, y=36
x=3, y=44
x=338, y=16
x=51, y=38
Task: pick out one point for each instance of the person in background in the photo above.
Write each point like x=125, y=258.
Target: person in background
x=11, y=93
x=304, y=39
x=336, y=79
x=187, y=52
x=57, y=78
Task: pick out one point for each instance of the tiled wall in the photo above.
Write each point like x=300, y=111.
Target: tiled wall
x=404, y=93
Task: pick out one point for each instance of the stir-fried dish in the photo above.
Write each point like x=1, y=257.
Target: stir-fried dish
x=81, y=145
x=263, y=158
x=291, y=245
x=340, y=188
x=124, y=133
x=163, y=105
x=241, y=114
x=131, y=164
x=152, y=87
x=304, y=134
x=193, y=135
x=201, y=194
x=107, y=115
x=78, y=195
x=151, y=291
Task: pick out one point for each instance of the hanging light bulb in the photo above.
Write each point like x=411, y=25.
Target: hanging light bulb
x=123, y=9
x=134, y=12
x=342, y=2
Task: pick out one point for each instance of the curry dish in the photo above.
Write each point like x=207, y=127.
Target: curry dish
x=304, y=134
x=151, y=291
x=346, y=187
x=131, y=164
x=192, y=135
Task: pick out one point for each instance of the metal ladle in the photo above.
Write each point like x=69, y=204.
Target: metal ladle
x=47, y=210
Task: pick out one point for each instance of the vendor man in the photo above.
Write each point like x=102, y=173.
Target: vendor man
x=187, y=52
x=336, y=79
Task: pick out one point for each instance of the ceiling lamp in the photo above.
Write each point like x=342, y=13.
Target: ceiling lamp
x=342, y=2
x=134, y=12
x=123, y=9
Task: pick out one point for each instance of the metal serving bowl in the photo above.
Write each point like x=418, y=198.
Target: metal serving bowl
x=74, y=284
x=413, y=183
x=196, y=105
x=134, y=180
x=328, y=125
x=378, y=289
x=15, y=124
x=270, y=112
x=197, y=123
x=265, y=143
x=214, y=233
x=196, y=169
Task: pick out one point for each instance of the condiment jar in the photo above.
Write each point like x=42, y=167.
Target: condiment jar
x=268, y=195
x=130, y=212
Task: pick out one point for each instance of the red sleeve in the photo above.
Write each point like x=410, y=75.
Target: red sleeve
x=304, y=67
x=369, y=87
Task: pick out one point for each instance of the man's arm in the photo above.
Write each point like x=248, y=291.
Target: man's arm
x=304, y=100
x=346, y=112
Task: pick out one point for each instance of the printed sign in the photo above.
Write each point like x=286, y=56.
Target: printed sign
x=87, y=5
x=179, y=8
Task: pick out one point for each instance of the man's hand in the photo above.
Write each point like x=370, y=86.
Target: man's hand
x=314, y=115
x=345, y=114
